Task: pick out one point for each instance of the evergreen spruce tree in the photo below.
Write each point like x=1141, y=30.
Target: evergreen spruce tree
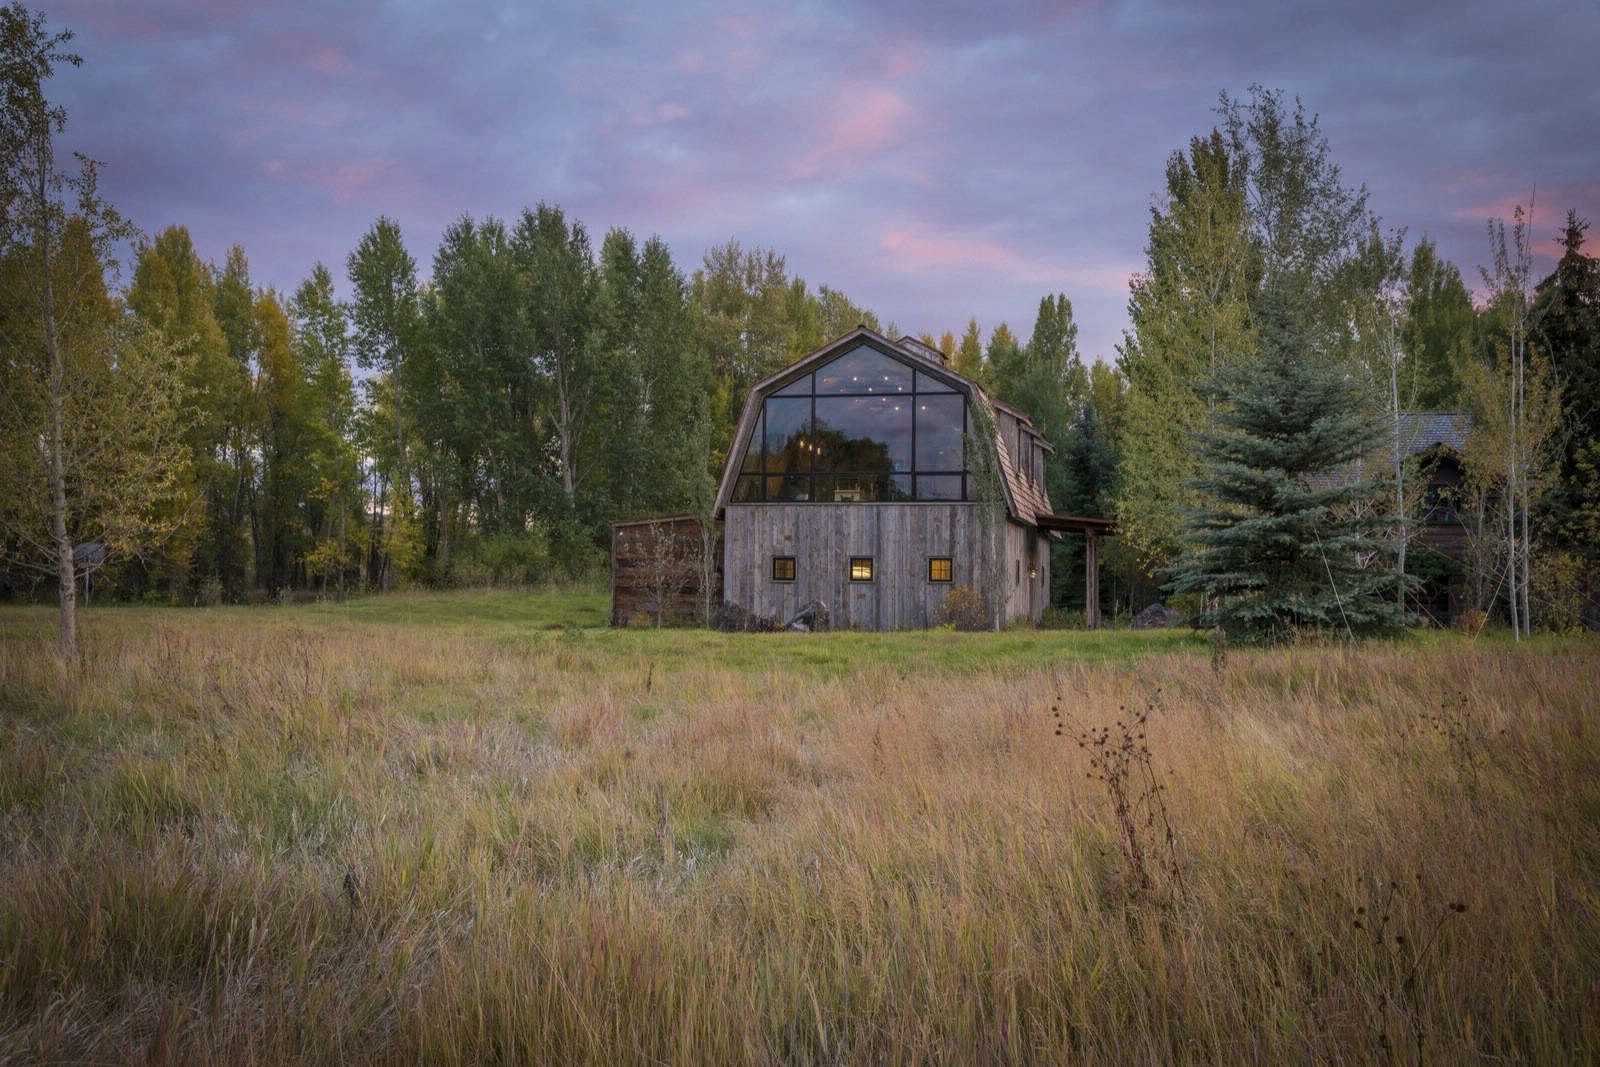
x=1290, y=538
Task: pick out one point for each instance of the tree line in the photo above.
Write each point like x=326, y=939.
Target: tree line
x=207, y=438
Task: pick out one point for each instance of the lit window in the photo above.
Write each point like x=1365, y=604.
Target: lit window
x=861, y=568
x=940, y=569
x=783, y=568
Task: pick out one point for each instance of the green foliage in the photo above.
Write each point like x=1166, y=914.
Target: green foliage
x=1003, y=350
x=92, y=411
x=334, y=513
x=1288, y=540
x=654, y=457
x=1190, y=314
x=573, y=552
x=1055, y=617
x=968, y=360
x=1256, y=207
x=1439, y=327
x=1565, y=319
x=967, y=609
x=743, y=302
x=504, y=558
x=1560, y=591
x=557, y=289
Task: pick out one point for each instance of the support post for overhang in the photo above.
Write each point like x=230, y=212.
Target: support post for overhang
x=1091, y=528
x=1091, y=579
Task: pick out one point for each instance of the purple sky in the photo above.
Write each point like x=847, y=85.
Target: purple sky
x=932, y=162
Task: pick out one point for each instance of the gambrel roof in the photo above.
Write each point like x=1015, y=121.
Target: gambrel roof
x=1024, y=502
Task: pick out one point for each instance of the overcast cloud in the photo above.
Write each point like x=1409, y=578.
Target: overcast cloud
x=933, y=161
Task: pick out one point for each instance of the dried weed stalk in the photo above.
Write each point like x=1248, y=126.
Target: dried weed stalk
x=1120, y=760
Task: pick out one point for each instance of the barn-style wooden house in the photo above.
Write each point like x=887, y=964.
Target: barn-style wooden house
x=1435, y=440
x=857, y=478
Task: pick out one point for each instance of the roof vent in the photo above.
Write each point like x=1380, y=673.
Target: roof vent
x=923, y=349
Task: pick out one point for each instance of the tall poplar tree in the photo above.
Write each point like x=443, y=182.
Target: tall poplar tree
x=286, y=445
x=1438, y=326
x=92, y=413
x=1190, y=313
x=385, y=317
x=233, y=304
x=740, y=300
x=481, y=416
x=558, y=296
x=171, y=294
x=322, y=343
x=657, y=376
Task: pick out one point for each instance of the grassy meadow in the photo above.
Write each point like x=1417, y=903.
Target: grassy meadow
x=479, y=828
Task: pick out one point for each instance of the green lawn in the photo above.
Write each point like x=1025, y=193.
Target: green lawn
x=578, y=616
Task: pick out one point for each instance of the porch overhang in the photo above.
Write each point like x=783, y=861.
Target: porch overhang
x=1077, y=524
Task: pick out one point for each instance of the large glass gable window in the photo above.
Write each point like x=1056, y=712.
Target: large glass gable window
x=863, y=369
x=864, y=427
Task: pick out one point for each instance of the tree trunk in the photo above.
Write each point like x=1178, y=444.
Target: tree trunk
x=1527, y=566
x=564, y=439
x=65, y=572
x=58, y=497
x=344, y=543
x=1512, y=589
x=1399, y=477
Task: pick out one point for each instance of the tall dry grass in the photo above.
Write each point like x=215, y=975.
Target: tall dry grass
x=227, y=843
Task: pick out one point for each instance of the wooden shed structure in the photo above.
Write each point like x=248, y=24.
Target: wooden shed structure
x=659, y=570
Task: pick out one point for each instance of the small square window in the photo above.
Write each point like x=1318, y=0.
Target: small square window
x=941, y=569
x=783, y=568
x=861, y=568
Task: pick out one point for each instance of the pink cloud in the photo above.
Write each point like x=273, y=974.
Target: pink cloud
x=346, y=180
x=1549, y=217
x=329, y=61
x=872, y=119
x=673, y=112
x=1500, y=208
x=918, y=248
x=904, y=59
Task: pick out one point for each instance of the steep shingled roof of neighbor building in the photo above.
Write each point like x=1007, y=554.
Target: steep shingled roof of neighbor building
x=1423, y=430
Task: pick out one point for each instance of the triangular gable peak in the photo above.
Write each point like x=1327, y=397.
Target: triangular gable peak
x=930, y=365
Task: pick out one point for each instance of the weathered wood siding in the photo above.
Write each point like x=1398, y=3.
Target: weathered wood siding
x=1442, y=527
x=656, y=567
x=1025, y=572
x=822, y=537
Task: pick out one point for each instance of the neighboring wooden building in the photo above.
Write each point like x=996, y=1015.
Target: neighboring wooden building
x=1435, y=440
x=853, y=479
